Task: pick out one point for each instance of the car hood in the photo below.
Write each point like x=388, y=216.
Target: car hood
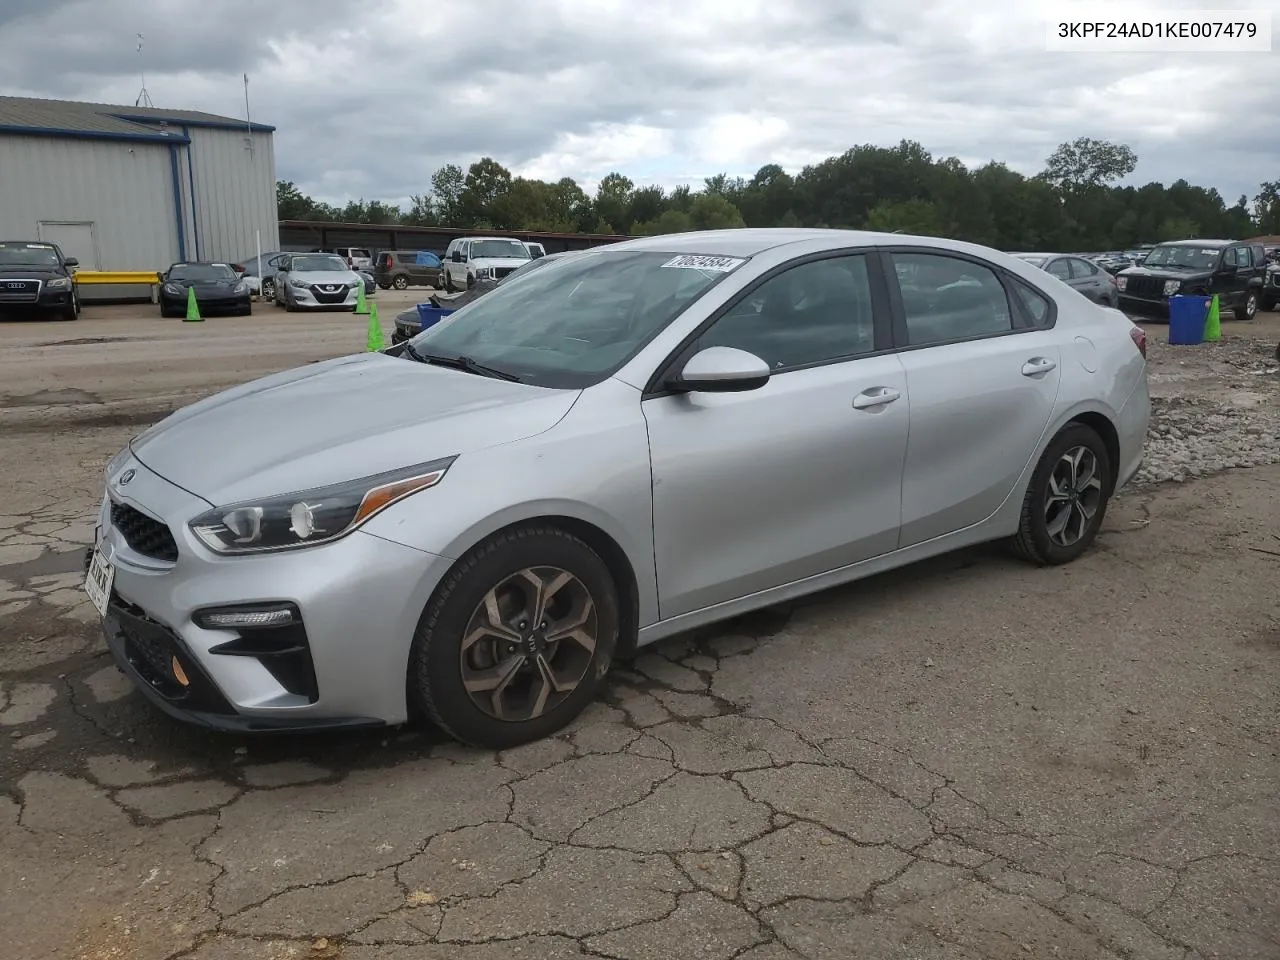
x=1164, y=273
x=338, y=420
x=326, y=277
x=202, y=285
x=17, y=271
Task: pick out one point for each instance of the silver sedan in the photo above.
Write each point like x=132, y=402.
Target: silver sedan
x=622, y=445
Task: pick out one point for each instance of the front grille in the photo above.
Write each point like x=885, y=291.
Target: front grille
x=149, y=537
x=1151, y=288
x=500, y=272
x=330, y=293
x=19, y=291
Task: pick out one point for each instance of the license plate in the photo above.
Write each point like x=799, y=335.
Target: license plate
x=97, y=582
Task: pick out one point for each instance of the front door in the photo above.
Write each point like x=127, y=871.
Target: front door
x=803, y=475
x=74, y=239
x=982, y=384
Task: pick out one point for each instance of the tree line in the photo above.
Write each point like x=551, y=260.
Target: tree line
x=1075, y=203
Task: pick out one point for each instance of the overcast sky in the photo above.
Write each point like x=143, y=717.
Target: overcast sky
x=369, y=98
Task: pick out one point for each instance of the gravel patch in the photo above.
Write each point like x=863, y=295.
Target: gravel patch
x=1213, y=407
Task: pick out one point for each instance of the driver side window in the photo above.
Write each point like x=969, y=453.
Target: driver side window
x=817, y=312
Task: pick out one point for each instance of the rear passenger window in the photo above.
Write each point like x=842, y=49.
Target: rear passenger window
x=1036, y=305
x=814, y=313
x=946, y=298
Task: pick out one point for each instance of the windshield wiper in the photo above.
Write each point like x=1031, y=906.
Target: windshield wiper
x=459, y=363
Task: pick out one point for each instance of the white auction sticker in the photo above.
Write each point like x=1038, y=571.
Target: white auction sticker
x=691, y=261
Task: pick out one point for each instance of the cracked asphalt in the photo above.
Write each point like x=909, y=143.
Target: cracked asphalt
x=970, y=758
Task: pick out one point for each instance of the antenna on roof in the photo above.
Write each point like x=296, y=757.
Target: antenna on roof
x=248, y=124
x=144, y=98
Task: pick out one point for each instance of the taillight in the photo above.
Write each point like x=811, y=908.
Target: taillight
x=1139, y=338
x=391, y=261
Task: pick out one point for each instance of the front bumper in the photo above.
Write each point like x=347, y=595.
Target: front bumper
x=1153, y=306
x=309, y=299
x=344, y=664
x=36, y=295
x=241, y=301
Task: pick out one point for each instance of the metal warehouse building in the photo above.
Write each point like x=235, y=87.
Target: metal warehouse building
x=135, y=188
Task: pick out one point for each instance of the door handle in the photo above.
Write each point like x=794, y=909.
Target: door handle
x=875, y=397
x=1038, y=365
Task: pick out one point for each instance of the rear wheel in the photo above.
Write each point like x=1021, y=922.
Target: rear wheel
x=401, y=282
x=1067, y=498
x=268, y=289
x=1248, y=307
x=517, y=639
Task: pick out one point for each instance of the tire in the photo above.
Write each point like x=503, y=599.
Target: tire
x=1249, y=307
x=448, y=282
x=289, y=306
x=1035, y=540
x=267, y=289
x=401, y=282
x=505, y=567
x=383, y=286
x=471, y=281
x=70, y=313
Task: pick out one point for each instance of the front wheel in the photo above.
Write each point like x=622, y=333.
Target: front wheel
x=1248, y=307
x=517, y=639
x=448, y=282
x=1067, y=498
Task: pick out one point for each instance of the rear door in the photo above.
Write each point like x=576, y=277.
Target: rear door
x=982, y=370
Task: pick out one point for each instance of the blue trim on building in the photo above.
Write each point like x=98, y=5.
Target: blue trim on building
x=228, y=124
x=177, y=202
x=191, y=186
x=94, y=134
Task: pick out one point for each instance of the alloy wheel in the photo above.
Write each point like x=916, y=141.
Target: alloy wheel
x=529, y=643
x=1073, y=496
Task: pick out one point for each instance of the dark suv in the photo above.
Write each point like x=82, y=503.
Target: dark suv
x=36, y=277
x=406, y=268
x=1232, y=269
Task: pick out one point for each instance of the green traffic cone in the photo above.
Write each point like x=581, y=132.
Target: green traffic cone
x=374, y=342
x=362, y=305
x=1213, y=323
x=193, y=311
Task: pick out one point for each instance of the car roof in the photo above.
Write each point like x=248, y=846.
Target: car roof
x=201, y=263
x=750, y=241
x=1045, y=255
x=1197, y=243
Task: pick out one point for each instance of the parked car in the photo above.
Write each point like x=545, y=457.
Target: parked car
x=468, y=259
x=1077, y=272
x=309, y=281
x=644, y=438
x=1270, y=297
x=1232, y=269
x=260, y=275
x=357, y=258
x=407, y=268
x=36, y=278
x=216, y=286
x=370, y=285
x=536, y=250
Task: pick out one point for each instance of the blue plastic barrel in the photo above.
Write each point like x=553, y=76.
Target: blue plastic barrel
x=1186, y=320
x=429, y=316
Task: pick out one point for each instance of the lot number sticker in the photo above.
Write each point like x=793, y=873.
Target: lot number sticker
x=715, y=264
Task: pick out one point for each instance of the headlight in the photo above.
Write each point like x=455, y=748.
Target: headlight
x=59, y=283
x=319, y=515
x=1121, y=283
x=242, y=287
x=300, y=284
x=173, y=288
x=1171, y=287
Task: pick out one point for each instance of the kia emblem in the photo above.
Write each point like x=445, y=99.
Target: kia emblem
x=126, y=476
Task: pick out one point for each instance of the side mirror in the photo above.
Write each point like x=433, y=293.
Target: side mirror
x=720, y=370
x=71, y=262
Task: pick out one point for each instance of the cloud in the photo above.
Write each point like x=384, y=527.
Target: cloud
x=370, y=99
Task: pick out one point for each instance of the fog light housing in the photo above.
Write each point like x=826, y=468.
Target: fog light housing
x=247, y=617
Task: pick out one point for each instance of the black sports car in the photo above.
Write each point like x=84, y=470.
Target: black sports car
x=216, y=285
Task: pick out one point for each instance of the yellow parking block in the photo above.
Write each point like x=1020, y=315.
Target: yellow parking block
x=117, y=276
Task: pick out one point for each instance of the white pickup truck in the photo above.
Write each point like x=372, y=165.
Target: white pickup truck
x=469, y=259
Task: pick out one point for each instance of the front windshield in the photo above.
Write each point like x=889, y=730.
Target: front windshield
x=202, y=272
x=1190, y=258
x=28, y=255
x=578, y=320
x=511, y=249
x=319, y=264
